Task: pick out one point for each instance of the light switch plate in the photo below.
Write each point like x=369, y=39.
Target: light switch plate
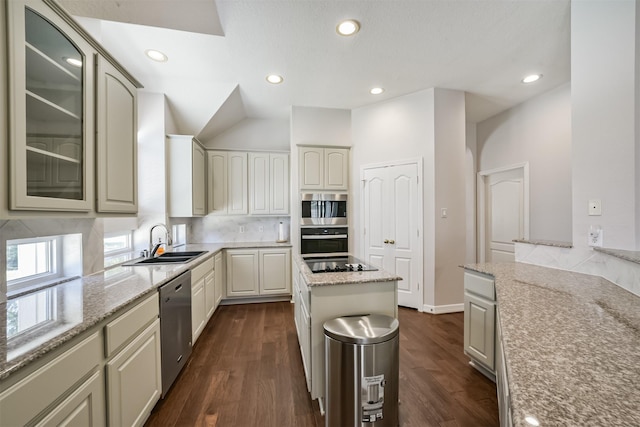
x=595, y=207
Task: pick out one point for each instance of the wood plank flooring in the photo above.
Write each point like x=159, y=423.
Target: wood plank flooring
x=245, y=370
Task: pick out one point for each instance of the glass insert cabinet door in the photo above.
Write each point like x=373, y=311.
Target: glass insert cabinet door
x=51, y=78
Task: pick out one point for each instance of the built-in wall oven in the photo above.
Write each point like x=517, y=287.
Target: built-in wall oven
x=324, y=240
x=323, y=209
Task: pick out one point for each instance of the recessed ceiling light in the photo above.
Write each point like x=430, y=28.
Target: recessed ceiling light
x=156, y=55
x=73, y=61
x=348, y=27
x=532, y=78
x=274, y=79
x=376, y=91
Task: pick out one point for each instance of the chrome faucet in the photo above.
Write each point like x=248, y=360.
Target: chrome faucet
x=153, y=249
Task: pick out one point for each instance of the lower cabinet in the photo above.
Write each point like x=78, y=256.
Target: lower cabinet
x=134, y=379
x=480, y=322
x=219, y=278
x=202, y=296
x=257, y=272
x=84, y=407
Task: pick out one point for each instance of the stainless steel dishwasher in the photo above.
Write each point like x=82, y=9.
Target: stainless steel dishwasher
x=175, y=327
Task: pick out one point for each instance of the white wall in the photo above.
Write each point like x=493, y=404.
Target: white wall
x=450, y=232
x=315, y=126
x=471, y=170
x=254, y=134
x=428, y=124
x=604, y=119
x=539, y=132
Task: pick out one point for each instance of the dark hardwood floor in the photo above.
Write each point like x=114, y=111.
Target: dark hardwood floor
x=245, y=370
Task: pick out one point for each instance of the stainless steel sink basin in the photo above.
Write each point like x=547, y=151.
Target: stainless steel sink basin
x=168, y=258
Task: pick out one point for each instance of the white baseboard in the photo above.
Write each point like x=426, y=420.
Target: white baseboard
x=442, y=309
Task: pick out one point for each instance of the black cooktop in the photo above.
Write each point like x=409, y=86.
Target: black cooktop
x=337, y=264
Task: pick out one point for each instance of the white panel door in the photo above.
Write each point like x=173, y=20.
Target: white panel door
x=279, y=184
x=217, y=182
x=259, y=197
x=505, y=214
x=391, y=223
x=237, y=195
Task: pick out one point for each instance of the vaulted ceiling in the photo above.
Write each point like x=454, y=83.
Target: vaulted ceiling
x=220, y=52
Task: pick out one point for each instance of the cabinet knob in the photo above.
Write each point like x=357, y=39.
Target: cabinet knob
x=392, y=242
x=386, y=241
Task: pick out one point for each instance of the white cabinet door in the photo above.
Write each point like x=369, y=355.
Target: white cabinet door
x=311, y=168
x=84, y=407
x=134, y=379
x=275, y=271
x=210, y=294
x=279, y=184
x=336, y=169
x=219, y=278
x=198, y=309
x=217, y=182
x=259, y=177
x=117, y=141
x=479, y=329
x=198, y=180
x=47, y=98
x=186, y=170
x=242, y=273
x=237, y=194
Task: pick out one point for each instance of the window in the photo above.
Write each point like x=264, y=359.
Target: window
x=118, y=248
x=32, y=261
x=179, y=232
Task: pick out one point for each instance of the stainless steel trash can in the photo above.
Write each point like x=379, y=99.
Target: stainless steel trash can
x=361, y=371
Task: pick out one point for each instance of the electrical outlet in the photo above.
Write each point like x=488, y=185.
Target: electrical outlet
x=242, y=228
x=595, y=236
x=443, y=213
x=595, y=207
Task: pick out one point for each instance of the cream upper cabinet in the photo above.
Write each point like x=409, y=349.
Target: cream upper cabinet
x=237, y=190
x=323, y=168
x=116, y=145
x=241, y=183
x=52, y=104
x=217, y=182
x=268, y=183
x=186, y=164
x=60, y=82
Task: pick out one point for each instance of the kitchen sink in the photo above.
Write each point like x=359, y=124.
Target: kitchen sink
x=168, y=258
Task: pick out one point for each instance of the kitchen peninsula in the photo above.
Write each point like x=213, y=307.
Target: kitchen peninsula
x=319, y=297
x=569, y=343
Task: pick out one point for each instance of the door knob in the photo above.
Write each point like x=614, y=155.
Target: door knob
x=386, y=241
x=392, y=242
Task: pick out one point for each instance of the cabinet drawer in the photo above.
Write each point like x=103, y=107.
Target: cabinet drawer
x=202, y=269
x=23, y=401
x=127, y=326
x=479, y=285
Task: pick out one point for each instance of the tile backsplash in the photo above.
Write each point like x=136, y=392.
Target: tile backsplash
x=217, y=229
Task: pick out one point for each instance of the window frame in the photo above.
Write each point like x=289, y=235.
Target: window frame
x=54, y=261
x=127, y=252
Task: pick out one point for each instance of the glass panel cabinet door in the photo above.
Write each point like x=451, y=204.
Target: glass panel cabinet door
x=51, y=78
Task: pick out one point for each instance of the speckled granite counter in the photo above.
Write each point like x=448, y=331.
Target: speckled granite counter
x=82, y=303
x=633, y=256
x=571, y=344
x=342, y=278
x=553, y=243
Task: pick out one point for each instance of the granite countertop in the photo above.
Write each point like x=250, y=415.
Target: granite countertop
x=82, y=303
x=633, y=256
x=343, y=277
x=571, y=344
x=554, y=243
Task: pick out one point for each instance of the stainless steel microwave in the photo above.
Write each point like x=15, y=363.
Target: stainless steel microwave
x=323, y=209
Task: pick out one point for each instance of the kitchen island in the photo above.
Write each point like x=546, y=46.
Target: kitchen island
x=569, y=343
x=319, y=297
